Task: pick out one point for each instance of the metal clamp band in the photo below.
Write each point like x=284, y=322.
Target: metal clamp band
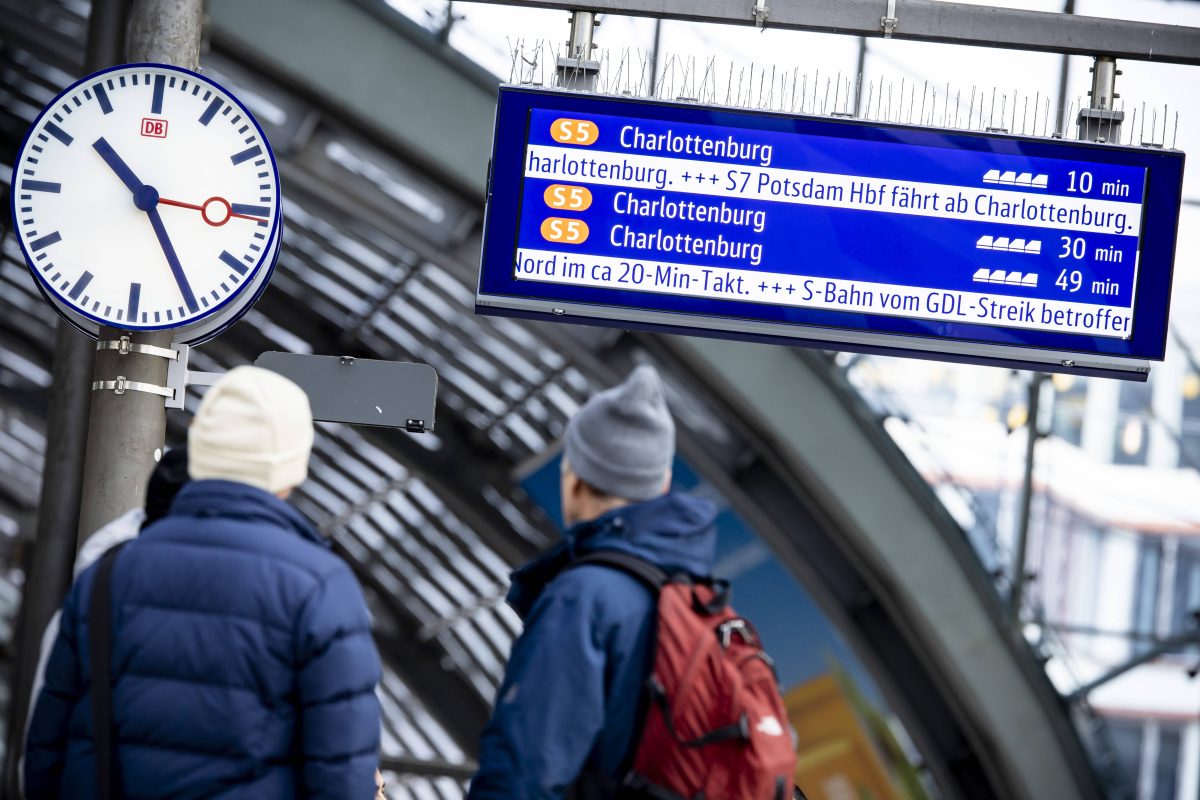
x=888, y=21
x=122, y=385
x=761, y=12
x=125, y=346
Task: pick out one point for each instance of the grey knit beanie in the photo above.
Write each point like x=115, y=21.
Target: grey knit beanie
x=622, y=441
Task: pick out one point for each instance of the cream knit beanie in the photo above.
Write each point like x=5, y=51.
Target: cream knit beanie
x=254, y=426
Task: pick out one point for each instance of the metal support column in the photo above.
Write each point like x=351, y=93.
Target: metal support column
x=128, y=427
x=53, y=553
x=578, y=70
x=1034, y=404
x=655, y=55
x=1060, y=122
x=1101, y=122
x=862, y=73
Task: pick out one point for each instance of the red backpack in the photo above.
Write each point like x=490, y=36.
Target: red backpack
x=715, y=727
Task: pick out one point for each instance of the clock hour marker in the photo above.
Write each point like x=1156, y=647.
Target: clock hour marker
x=135, y=298
x=211, y=111
x=160, y=83
x=41, y=186
x=102, y=98
x=233, y=263
x=59, y=133
x=80, y=285
x=45, y=241
x=245, y=155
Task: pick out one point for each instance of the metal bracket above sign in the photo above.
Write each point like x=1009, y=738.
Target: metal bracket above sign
x=887, y=23
x=761, y=12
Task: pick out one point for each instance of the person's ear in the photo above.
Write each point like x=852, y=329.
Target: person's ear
x=572, y=486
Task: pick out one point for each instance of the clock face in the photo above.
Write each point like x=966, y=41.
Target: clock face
x=147, y=197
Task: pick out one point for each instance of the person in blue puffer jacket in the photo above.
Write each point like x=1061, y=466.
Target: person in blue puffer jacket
x=242, y=659
x=567, y=714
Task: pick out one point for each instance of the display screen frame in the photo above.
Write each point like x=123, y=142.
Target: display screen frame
x=501, y=292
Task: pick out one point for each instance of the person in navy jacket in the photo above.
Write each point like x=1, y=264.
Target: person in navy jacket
x=242, y=659
x=567, y=714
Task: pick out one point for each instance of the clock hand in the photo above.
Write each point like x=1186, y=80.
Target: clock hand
x=218, y=219
x=185, y=288
x=144, y=197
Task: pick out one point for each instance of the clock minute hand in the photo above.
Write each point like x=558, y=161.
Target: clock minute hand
x=164, y=241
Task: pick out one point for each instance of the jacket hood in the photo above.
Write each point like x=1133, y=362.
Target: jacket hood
x=121, y=529
x=243, y=502
x=674, y=532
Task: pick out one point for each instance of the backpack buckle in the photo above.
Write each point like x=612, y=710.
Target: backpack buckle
x=727, y=629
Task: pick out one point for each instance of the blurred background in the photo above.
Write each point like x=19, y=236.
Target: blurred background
x=872, y=506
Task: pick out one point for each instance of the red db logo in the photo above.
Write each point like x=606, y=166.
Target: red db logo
x=156, y=128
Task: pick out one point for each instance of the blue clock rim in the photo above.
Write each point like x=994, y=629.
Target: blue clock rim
x=47, y=290
x=184, y=339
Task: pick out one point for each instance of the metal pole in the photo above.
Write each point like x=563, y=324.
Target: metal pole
x=127, y=431
x=443, y=34
x=53, y=555
x=1063, y=75
x=1175, y=644
x=1101, y=122
x=167, y=32
x=580, y=45
x=862, y=71
x=1019, y=556
x=578, y=70
x=654, y=55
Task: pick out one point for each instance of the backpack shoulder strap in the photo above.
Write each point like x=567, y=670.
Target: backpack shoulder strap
x=649, y=574
x=100, y=651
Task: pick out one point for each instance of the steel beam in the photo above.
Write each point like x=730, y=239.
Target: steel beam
x=428, y=768
x=926, y=21
x=1176, y=644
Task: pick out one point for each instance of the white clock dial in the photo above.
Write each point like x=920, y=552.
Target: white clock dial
x=146, y=197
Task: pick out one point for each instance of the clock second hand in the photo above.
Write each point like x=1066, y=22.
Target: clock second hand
x=203, y=209
x=145, y=197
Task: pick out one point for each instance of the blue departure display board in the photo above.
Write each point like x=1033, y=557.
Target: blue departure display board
x=834, y=233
